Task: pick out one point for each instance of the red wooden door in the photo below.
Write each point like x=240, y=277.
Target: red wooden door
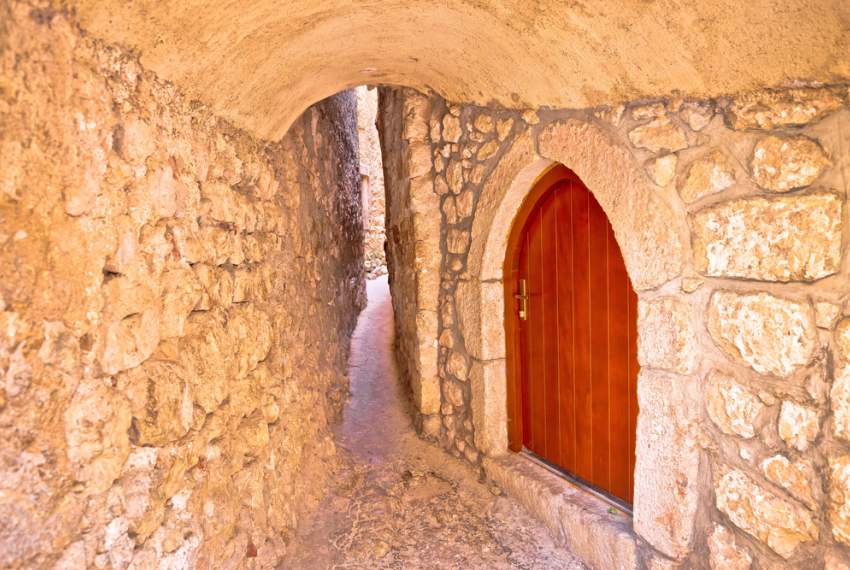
x=577, y=339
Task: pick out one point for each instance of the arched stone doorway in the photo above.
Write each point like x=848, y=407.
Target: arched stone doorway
x=654, y=245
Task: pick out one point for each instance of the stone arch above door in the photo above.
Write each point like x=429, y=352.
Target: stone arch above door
x=653, y=240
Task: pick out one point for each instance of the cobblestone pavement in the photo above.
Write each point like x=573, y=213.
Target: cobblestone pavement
x=404, y=503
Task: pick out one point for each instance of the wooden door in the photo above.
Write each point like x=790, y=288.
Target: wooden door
x=573, y=397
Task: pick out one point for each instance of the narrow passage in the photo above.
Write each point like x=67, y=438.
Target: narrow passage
x=404, y=503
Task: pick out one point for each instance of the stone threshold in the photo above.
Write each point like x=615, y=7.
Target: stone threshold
x=577, y=518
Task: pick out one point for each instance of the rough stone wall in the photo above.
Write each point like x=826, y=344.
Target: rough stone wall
x=743, y=333
x=176, y=299
x=371, y=181
x=413, y=237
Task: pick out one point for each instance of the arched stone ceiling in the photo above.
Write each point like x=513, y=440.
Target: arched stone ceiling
x=260, y=63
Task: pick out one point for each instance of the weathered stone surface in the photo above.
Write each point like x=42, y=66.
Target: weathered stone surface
x=666, y=471
x=839, y=497
x=697, y=114
x=724, y=552
x=842, y=339
x=705, y=176
x=666, y=337
x=840, y=399
x=781, y=164
x=731, y=406
x=796, y=477
x=798, y=425
x=771, y=109
x=826, y=314
x=774, y=521
x=833, y=561
x=770, y=334
x=648, y=232
x=489, y=412
x=451, y=128
x=662, y=170
x=659, y=135
x=789, y=238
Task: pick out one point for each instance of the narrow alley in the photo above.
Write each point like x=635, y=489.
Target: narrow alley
x=405, y=503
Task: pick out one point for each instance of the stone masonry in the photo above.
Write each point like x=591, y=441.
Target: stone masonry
x=748, y=327
x=176, y=299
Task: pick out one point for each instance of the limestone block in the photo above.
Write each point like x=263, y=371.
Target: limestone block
x=96, y=423
x=648, y=111
x=724, y=552
x=731, y=406
x=130, y=341
x=789, y=238
x=489, y=405
x=826, y=314
x=457, y=365
x=840, y=399
x=453, y=393
x=796, y=477
x=162, y=404
x=662, y=170
x=457, y=241
x=666, y=338
x=776, y=522
x=451, y=129
x=659, y=135
x=480, y=309
x=181, y=292
x=454, y=176
x=418, y=159
x=833, y=561
x=134, y=140
x=798, y=425
x=503, y=128
x=487, y=150
x=772, y=109
x=770, y=334
x=839, y=497
x=697, y=115
x=705, y=176
x=842, y=339
x=780, y=164
x=666, y=472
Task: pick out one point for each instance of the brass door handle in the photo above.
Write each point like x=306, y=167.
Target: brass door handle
x=522, y=297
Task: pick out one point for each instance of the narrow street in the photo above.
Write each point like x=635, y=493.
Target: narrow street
x=404, y=503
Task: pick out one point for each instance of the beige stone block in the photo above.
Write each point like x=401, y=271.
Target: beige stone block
x=697, y=115
x=798, y=425
x=487, y=150
x=731, y=406
x=796, y=477
x=705, y=176
x=666, y=337
x=781, y=164
x=778, y=523
x=773, y=109
x=840, y=400
x=788, y=238
x=826, y=314
x=418, y=159
x=489, y=406
x=451, y=129
x=666, y=472
x=770, y=334
x=480, y=309
x=503, y=128
x=724, y=552
x=662, y=170
x=834, y=561
x=457, y=241
x=659, y=135
x=648, y=111
x=842, y=339
x=839, y=497
x=458, y=365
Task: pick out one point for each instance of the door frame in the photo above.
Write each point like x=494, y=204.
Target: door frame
x=541, y=186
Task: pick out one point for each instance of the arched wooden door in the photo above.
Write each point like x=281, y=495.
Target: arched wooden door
x=572, y=337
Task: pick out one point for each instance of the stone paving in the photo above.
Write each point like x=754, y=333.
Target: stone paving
x=401, y=502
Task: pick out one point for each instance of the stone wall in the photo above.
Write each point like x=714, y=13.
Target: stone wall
x=413, y=235
x=176, y=300
x=731, y=216
x=371, y=182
